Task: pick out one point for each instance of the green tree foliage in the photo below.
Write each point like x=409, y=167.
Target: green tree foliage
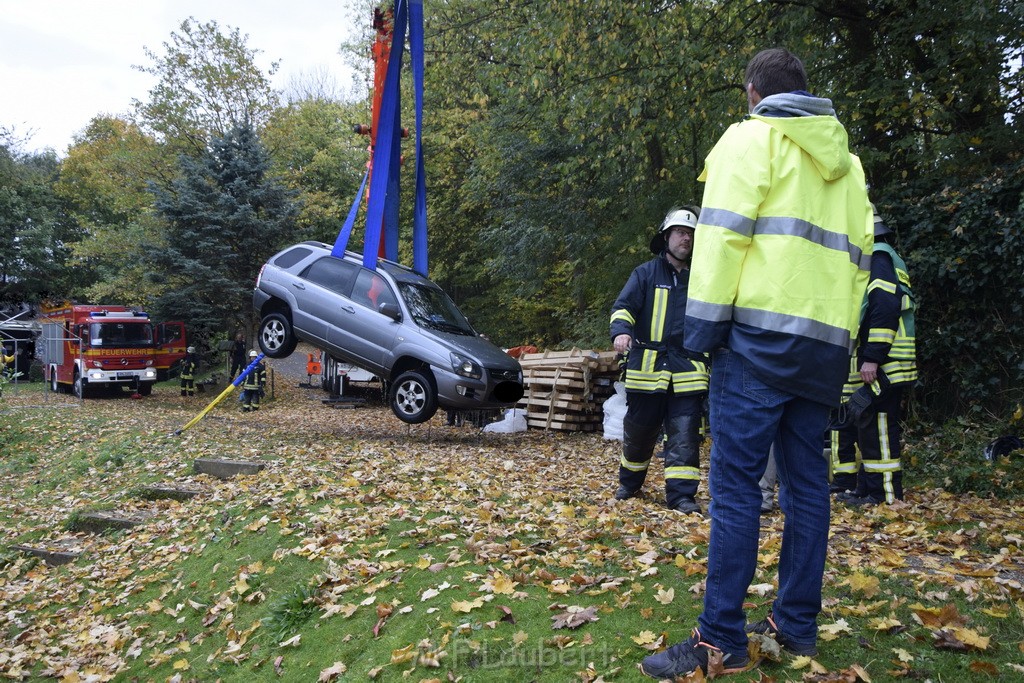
x=34, y=228
x=926, y=86
x=104, y=181
x=966, y=247
x=583, y=123
x=315, y=152
x=225, y=216
x=932, y=93
x=208, y=84
x=567, y=129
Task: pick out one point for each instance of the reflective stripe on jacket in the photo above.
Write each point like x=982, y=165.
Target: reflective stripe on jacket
x=887, y=334
x=782, y=252
x=188, y=367
x=650, y=309
x=255, y=379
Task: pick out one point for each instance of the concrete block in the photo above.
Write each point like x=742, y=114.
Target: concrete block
x=98, y=522
x=226, y=469
x=50, y=556
x=168, y=492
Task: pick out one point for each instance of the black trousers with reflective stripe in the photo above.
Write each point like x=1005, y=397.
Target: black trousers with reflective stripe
x=880, y=474
x=679, y=417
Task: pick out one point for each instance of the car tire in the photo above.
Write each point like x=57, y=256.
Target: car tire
x=413, y=397
x=276, y=337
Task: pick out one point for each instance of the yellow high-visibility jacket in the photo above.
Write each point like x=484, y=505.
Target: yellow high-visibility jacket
x=782, y=252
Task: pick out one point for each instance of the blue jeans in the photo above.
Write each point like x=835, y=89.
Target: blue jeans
x=748, y=417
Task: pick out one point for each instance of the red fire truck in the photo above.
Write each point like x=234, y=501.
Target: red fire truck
x=88, y=347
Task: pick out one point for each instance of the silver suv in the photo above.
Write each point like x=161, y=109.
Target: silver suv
x=392, y=322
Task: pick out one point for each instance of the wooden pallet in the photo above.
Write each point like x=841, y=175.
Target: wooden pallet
x=565, y=389
x=558, y=425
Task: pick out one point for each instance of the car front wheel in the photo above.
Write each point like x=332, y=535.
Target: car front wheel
x=276, y=338
x=413, y=397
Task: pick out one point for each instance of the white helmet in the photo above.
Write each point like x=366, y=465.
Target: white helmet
x=191, y=349
x=253, y=354
x=685, y=216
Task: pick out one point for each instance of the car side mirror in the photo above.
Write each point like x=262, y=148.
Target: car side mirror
x=390, y=310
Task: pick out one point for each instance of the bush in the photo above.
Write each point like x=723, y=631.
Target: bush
x=951, y=457
x=965, y=250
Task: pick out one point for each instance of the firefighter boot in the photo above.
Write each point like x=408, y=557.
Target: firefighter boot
x=682, y=463
x=637, y=447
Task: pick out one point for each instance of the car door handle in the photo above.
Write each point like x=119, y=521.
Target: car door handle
x=348, y=309
x=298, y=285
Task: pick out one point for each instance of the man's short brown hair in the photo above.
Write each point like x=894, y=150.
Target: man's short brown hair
x=775, y=70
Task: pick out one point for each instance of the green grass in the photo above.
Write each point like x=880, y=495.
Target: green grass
x=346, y=533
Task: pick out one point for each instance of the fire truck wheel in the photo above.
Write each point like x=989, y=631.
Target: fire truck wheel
x=80, y=386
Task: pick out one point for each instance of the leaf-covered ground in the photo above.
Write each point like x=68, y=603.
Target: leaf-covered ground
x=371, y=550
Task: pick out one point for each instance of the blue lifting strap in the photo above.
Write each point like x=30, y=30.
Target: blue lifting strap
x=382, y=208
x=419, y=222
x=341, y=243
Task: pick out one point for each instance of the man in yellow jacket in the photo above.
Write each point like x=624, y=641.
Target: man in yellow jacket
x=779, y=269
x=7, y=359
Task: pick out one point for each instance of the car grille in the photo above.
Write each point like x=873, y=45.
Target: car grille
x=502, y=374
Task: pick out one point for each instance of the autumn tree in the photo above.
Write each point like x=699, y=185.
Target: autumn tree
x=933, y=96
x=579, y=125
x=34, y=228
x=226, y=215
x=209, y=83
x=567, y=129
x=315, y=152
x=104, y=181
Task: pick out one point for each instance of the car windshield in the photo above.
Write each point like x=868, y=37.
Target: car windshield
x=120, y=334
x=432, y=308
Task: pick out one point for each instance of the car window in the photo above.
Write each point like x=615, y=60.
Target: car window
x=291, y=257
x=431, y=307
x=334, y=274
x=371, y=290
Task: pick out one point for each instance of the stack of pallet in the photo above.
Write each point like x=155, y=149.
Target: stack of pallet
x=565, y=389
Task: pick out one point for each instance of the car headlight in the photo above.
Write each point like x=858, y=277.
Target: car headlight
x=465, y=367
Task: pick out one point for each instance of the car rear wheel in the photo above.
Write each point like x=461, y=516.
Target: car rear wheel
x=413, y=397
x=276, y=338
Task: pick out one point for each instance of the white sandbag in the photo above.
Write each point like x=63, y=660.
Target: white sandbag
x=514, y=421
x=615, y=412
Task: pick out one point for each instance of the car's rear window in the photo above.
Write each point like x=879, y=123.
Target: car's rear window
x=291, y=257
x=333, y=274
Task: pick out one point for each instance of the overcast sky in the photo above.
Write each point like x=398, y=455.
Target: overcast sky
x=62, y=62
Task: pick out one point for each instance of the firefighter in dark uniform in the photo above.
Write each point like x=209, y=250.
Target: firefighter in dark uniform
x=189, y=365
x=883, y=367
x=237, y=356
x=252, y=385
x=665, y=385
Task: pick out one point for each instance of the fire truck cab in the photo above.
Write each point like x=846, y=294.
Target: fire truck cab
x=87, y=347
